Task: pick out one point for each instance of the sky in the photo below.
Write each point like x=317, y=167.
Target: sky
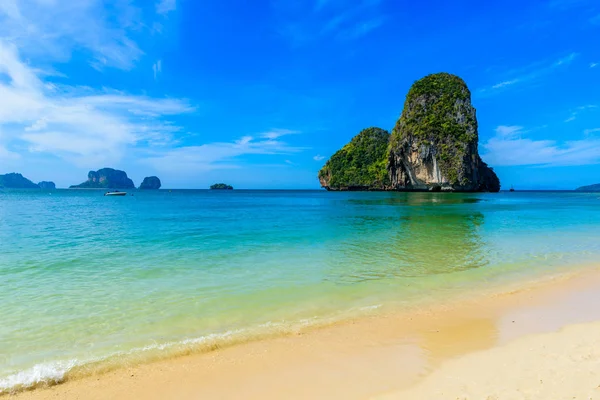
x=259, y=94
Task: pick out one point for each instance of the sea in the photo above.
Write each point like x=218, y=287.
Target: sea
x=90, y=283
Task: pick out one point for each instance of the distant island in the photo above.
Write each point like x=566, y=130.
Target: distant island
x=589, y=188
x=106, y=178
x=433, y=146
x=221, y=186
x=16, y=181
x=46, y=185
x=150, y=183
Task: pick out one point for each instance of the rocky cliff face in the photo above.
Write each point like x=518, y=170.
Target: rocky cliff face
x=16, y=181
x=47, y=185
x=106, y=178
x=434, y=143
x=151, y=183
x=359, y=165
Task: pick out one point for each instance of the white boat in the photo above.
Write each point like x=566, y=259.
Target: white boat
x=116, y=193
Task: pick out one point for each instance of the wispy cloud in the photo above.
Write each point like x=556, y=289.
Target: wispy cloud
x=157, y=68
x=505, y=83
x=304, y=22
x=511, y=147
x=219, y=155
x=588, y=132
x=81, y=125
x=276, y=133
x=318, y=157
x=593, y=65
x=55, y=28
x=166, y=6
x=530, y=73
x=577, y=111
x=505, y=131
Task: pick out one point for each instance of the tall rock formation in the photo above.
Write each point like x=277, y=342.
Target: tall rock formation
x=434, y=143
x=434, y=146
x=359, y=165
x=106, y=178
x=151, y=183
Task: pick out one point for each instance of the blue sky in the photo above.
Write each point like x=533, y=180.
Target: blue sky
x=259, y=94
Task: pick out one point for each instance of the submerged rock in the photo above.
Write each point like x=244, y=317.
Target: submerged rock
x=16, y=181
x=151, y=183
x=47, y=185
x=106, y=178
x=359, y=165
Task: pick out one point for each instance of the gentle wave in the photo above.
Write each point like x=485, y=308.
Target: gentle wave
x=53, y=373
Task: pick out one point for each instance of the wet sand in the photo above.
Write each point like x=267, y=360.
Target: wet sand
x=537, y=342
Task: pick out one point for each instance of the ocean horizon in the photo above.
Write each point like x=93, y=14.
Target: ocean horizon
x=92, y=283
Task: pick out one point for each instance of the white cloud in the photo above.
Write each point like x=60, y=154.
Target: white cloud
x=531, y=73
x=165, y=6
x=276, y=133
x=566, y=60
x=593, y=65
x=157, y=68
x=55, y=28
x=6, y=155
x=307, y=21
x=576, y=112
x=318, y=157
x=514, y=149
x=588, y=132
x=211, y=156
x=508, y=131
x=505, y=83
x=83, y=126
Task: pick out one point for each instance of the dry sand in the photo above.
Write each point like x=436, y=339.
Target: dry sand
x=558, y=365
x=509, y=346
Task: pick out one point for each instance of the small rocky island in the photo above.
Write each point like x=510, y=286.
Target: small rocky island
x=150, y=183
x=16, y=181
x=589, y=188
x=106, y=178
x=433, y=147
x=221, y=186
x=47, y=185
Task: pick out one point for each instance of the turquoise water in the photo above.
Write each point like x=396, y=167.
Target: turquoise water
x=90, y=282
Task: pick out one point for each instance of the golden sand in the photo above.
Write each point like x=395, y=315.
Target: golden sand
x=507, y=346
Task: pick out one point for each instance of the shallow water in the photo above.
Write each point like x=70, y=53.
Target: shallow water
x=85, y=278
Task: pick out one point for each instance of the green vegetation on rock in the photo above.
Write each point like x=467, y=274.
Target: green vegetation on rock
x=221, y=186
x=361, y=164
x=434, y=146
x=438, y=112
x=151, y=183
x=106, y=178
x=16, y=181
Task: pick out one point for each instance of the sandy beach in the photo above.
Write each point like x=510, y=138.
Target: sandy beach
x=536, y=342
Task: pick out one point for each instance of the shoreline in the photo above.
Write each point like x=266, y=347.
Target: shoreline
x=378, y=354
